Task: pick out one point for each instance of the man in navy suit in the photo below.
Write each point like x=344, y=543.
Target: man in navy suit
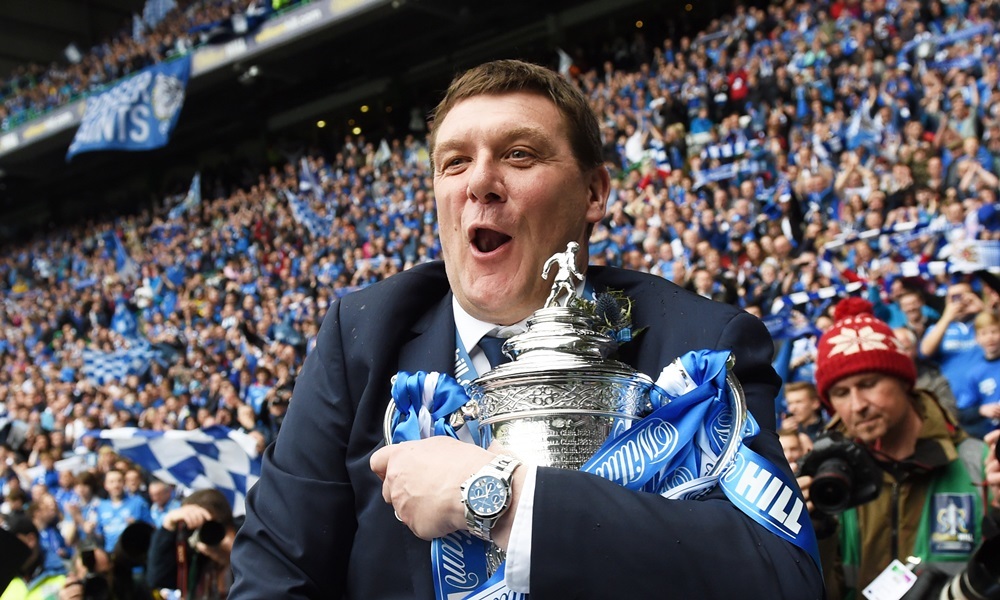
x=518, y=174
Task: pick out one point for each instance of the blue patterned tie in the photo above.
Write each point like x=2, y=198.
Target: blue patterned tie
x=492, y=348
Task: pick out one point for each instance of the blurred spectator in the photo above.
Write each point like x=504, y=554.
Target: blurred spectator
x=979, y=397
x=33, y=579
x=929, y=376
x=116, y=512
x=161, y=501
x=791, y=443
x=805, y=414
x=44, y=514
x=951, y=342
x=84, y=510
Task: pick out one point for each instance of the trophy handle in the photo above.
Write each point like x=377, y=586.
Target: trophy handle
x=390, y=416
x=739, y=409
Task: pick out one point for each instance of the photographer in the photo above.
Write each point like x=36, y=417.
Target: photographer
x=190, y=551
x=930, y=505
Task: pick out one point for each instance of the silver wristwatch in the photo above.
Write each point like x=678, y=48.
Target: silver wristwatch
x=486, y=495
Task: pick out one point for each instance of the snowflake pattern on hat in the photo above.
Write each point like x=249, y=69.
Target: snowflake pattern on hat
x=858, y=342
x=851, y=341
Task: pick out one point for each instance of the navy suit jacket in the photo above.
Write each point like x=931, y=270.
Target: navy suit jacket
x=317, y=526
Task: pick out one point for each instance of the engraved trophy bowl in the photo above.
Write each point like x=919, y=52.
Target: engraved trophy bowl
x=562, y=396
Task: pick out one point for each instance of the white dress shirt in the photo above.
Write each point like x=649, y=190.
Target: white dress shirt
x=517, y=570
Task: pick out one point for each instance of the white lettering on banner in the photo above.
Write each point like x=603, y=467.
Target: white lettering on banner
x=627, y=461
x=139, y=118
x=453, y=561
x=785, y=510
x=108, y=114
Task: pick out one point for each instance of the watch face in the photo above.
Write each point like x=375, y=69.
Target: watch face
x=487, y=495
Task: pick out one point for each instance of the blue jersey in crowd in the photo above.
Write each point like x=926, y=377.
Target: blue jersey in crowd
x=981, y=386
x=55, y=547
x=956, y=347
x=114, y=517
x=156, y=513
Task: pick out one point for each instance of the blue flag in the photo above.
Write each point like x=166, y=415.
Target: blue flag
x=124, y=264
x=138, y=113
x=215, y=457
x=319, y=226
x=191, y=200
x=123, y=321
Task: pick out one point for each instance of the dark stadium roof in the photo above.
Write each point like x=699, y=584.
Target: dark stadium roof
x=40, y=30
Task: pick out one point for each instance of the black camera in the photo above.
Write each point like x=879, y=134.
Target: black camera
x=95, y=585
x=844, y=474
x=281, y=396
x=211, y=533
x=979, y=580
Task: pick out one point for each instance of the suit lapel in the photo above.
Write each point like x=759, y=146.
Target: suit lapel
x=431, y=349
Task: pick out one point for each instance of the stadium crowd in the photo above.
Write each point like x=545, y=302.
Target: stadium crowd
x=785, y=157
x=167, y=30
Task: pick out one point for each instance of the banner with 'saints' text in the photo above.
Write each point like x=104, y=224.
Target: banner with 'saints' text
x=138, y=113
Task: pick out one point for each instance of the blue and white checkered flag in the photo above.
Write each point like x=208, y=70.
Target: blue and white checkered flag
x=319, y=226
x=214, y=457
x=104, y=367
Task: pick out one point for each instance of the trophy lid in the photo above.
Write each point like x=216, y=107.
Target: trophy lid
x=558, y=339
x=561, y=339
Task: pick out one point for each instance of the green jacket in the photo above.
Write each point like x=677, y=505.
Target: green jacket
x=929, y=507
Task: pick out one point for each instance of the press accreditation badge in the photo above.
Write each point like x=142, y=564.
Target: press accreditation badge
x=952, y=529
x=891, y=584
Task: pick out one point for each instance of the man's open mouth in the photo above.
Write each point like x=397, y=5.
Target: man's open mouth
x=488, y=240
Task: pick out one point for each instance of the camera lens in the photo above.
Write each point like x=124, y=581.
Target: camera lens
x=211, y=533
x=830, y=490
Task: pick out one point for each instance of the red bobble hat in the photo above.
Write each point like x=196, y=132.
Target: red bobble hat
x=856, y=343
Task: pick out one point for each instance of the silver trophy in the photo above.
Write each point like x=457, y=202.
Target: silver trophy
x=562, y=395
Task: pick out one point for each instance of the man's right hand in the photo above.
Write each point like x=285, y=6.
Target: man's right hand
x=191, y=515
